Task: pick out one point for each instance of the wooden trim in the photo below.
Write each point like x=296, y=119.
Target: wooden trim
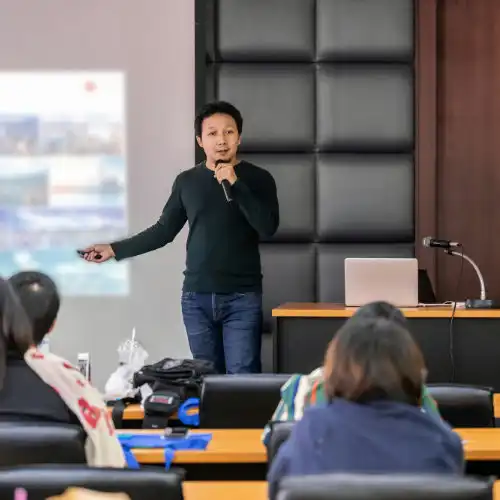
x=426, y=133
x=325, y=310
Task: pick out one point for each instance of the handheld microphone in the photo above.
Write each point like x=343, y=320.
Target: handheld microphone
x=431, y=242
x=226, y=186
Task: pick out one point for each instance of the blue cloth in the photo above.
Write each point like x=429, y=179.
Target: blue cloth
x=170, y=445
x=383, y=437
x=225, y=328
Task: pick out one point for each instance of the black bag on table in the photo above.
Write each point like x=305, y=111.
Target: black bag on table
x=172, y=381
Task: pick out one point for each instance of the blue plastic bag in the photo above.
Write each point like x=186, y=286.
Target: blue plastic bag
x=154, y=441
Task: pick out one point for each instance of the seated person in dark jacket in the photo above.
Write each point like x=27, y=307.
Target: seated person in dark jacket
x=372, y=423
x=42, y=387
x=24, y=395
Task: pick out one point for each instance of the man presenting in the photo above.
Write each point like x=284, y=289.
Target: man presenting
x=222, y=292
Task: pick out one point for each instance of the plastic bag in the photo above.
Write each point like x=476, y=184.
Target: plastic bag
x=132, y=357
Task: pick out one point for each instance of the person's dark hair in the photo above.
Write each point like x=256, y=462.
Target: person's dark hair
x=15, y=329
x=374, y=359
x=40, y=299
x=380, y=309
x=216, y=107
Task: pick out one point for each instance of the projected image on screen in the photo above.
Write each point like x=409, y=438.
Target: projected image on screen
x=63, y=176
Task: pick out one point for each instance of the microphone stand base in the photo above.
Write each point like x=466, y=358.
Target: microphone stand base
x=480, y=304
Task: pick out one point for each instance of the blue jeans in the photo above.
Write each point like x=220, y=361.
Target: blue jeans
x=225, y=328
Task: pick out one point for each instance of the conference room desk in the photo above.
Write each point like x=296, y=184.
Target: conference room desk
x=244, y=446
x=303, y=331
x=228, y=490
x=131, y=412
x=244, y=490
x=236, y=446
x=135, y=412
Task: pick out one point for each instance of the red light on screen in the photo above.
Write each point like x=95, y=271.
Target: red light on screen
x=90, y=86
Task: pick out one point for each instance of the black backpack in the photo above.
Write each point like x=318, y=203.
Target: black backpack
x=172, y=381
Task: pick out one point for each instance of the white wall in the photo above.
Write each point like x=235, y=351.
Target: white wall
x=153, y=42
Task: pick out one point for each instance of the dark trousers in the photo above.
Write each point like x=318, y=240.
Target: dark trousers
x=225, y=328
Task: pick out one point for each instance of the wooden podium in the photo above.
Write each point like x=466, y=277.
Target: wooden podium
x=465, y=351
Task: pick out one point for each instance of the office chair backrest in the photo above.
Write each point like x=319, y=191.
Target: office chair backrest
x=44, y=481
x=239, y=401
x=464, y=405
x=278, y=434
x=384, y=487
x=29, y=443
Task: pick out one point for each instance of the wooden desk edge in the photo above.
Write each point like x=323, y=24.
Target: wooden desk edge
x=256, y=490
x=327, y=310
x=135, y=412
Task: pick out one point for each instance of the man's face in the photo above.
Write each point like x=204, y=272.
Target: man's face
x=219, y=138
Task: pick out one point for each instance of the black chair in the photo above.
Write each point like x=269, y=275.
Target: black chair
x=42, y=482
x=239, y=401
x=29, y=443
x=278, y=434
x=385, y=487
x=464, y=405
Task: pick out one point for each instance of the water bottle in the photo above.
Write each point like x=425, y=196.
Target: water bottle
x=131, y=352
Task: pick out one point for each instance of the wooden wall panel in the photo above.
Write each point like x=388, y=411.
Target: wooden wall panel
x=468, y=142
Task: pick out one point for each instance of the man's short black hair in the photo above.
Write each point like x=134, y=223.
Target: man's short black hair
x=40, y=299
x=213, y=108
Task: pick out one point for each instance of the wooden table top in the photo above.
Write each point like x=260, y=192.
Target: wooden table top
x=135, y=412
x=226, y=490
x=245, y=446
x=242, y=446
x=244, y=490
x=327, y=310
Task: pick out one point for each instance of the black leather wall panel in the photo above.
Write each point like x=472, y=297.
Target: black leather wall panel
x=289, y=272
x=284, y=87
x=295, y=177
x=326, y=88
x=365, y=30
x=365, y=107
x=266, y=30
x=365, y=198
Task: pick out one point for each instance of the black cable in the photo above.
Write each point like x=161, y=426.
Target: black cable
x=452, y=359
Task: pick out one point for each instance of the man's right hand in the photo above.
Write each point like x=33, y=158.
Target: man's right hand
x=104, y=250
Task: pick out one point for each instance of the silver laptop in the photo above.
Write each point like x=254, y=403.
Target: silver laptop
x=392, y=280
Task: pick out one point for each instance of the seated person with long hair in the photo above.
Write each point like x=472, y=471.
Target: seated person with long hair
x=372, y=423
x=42, y=387
x=302, y=391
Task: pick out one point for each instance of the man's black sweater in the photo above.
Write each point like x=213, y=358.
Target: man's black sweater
x=223, y=241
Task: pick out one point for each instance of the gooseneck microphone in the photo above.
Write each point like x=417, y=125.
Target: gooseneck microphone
x=449, y=248
x=431, y=242
x=226, y=186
